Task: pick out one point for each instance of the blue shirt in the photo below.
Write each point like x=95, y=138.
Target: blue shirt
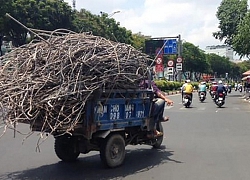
x=221, y=88
x=202, y=87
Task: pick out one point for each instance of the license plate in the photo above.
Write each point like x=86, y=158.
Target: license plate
x=220, y=98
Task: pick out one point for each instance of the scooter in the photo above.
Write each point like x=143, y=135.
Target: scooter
x=213, y=94
x=229, y=89
x=220, y=100
x=202, y=96
x=186, y=101
x=240, y=88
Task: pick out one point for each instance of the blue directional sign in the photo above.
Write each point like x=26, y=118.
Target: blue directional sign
x=170, y=46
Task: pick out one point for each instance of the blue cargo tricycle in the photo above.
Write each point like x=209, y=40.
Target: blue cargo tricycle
x=112, y=120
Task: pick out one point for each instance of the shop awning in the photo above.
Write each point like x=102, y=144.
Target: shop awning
x=245, y=78
x=246, y=73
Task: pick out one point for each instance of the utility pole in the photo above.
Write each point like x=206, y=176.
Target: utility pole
x=179, y=55
x=74, y=4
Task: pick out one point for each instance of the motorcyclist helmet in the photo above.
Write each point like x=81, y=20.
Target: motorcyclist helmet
x=203, y=82
x=220, y=81
x=188, y=81
x=214, y=82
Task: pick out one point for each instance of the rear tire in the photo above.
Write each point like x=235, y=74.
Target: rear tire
x=112, y=151
x=66, y=148
x=159, y=140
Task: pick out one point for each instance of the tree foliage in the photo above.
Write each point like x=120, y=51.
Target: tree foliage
x=194, y=60
x=46, y=14
x=241, y=41
x=230, y=13
x=101, y=25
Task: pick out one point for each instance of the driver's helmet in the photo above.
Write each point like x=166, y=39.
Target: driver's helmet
x=203, y=82
x=188, y=81
x=220, y=81
x=214, y=82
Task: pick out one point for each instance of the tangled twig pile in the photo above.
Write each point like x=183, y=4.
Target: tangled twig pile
x=51, y=80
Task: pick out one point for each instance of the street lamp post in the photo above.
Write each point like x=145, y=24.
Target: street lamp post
x=113, y=13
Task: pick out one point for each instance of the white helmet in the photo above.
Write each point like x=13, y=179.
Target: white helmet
x=220, y=81
x=188, y=81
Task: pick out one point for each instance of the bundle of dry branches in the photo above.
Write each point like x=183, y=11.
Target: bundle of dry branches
x=51, y=80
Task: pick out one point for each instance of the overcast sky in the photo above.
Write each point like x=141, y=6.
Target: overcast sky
x=194, y=20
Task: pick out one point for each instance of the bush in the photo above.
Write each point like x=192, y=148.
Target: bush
x=165, y=85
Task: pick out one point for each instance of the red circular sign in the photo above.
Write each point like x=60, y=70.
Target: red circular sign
x=159, y=60
x=179, y=59
x=170, y=63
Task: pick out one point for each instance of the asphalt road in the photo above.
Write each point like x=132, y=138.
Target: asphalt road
x=203, y=142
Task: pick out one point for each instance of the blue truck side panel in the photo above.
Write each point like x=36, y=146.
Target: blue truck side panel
x=114, y=112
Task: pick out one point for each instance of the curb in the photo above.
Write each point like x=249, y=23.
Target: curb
x=175, y=92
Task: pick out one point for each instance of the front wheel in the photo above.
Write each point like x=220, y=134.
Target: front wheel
x=112, y=151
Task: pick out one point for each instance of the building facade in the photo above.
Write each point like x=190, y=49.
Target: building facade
x=221, y=50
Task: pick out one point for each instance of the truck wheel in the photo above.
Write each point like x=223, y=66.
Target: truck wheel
x=112, y=151
x=159, y=140
x=65, y=148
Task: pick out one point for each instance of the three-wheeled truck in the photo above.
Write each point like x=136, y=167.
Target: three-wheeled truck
x=111, y=120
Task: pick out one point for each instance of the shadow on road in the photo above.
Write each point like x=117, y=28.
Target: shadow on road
x=136, y=161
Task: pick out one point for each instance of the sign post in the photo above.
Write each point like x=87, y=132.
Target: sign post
x=179, y=58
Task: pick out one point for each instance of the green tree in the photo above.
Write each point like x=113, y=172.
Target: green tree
x=47, y=15
x=241, y=41
x=139, y=41
x=194, y=60
x=230, y=13
x=219, y=65
x=101, y=25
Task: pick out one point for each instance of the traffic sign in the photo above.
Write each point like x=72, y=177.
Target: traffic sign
x=159, y=60
x=159, y=68
x=170, y=70
x=152, y=45
x=170, y=46
x=179, y=59
x=178, y=66
x=170, y=63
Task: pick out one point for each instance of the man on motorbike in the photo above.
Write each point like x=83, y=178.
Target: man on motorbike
x=202, y=88
x=213, y=89
x=188, y=89
x=220, y=89
x=182, y=88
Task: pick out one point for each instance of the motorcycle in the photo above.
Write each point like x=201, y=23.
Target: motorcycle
x=240, y=88
x=213, y=94
x=220, y=100
x=229, y=89
x=202, y=96
x=186, y=101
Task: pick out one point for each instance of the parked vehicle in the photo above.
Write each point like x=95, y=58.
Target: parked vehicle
x=220, y=99
x=112, y=120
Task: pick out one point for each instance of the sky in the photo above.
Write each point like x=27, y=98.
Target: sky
x=194, y=20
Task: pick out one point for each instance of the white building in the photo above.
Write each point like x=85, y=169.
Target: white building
x=221, y=50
